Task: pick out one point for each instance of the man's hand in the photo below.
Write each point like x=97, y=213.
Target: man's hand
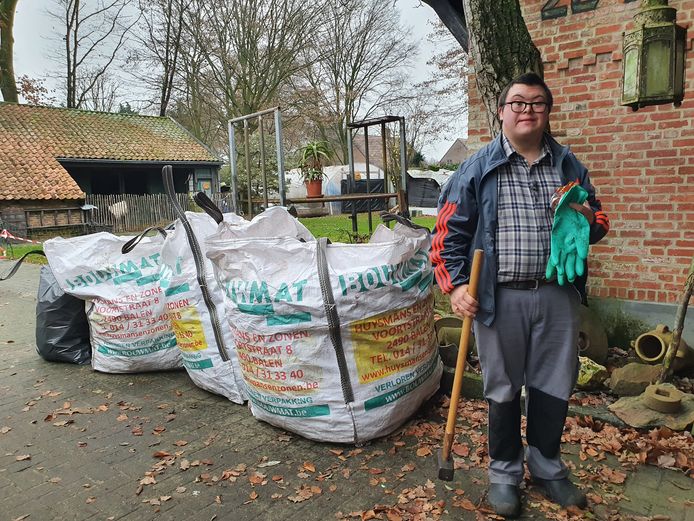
x=462, y=303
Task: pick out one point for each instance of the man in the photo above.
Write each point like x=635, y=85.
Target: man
x=525, y=327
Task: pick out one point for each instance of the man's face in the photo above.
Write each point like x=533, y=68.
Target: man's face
x=529, y=124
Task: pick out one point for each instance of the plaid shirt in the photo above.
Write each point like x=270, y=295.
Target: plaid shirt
x=524, y=214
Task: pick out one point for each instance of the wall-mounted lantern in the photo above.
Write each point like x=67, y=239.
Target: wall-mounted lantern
x=654, y=57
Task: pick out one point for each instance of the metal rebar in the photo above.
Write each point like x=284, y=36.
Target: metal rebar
x=262, y=158
x=254, y=114
x=280, y=156
x=384, y=156
x=246, y=146
x=232, y=166
x=368, y=175
x=350, y=179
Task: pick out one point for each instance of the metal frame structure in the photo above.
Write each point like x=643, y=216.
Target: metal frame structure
x=400, y=195
x=233, y=157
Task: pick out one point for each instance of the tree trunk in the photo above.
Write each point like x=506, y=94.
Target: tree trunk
x=8, y=86
x=666, y=372
x=497, y=39
x=501, y=49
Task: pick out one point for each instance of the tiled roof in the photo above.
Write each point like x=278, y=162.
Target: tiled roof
x=31, y=138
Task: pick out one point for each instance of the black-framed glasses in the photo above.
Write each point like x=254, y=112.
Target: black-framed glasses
x=535, y=106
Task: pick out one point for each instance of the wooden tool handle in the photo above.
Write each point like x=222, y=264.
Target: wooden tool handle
x=462, y=356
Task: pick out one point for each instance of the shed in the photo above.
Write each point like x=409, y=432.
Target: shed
x=50, y=158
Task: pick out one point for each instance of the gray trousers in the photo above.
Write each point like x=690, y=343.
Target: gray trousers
x=531, y=342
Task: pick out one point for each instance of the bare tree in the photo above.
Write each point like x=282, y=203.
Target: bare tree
x=100, y=91
x=95, y=33
x=8, y=86
x=251, y=47
x=160, y=41
x=499, y=43
x=357, y=67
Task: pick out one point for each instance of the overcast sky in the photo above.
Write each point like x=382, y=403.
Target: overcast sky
x=33, y=46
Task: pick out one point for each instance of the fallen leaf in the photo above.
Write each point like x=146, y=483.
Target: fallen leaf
x=148, y=480
x=423, y=451
x=466, y=504
x=181, y=443
x=161, y=454
x=5, y=430
x=269, y=463
x=122, y=417
x=23, y=457
x=90, y=499
x=256, y=478
x=67, y=405
x=461, y=450
x=180, y=490
x=137, y=431
x=309, y=466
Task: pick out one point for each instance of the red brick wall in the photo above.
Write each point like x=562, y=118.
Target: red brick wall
x=641, y=163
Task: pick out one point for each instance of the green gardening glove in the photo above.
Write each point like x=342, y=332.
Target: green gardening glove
x=570, y=236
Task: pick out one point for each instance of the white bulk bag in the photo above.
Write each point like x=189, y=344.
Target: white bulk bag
x=210, y=362
x=335, y=342
x=130, y=329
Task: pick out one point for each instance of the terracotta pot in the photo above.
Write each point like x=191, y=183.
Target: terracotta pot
x=314, y=188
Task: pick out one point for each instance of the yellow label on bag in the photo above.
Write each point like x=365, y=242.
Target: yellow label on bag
x=188, y=329
x=391, y=342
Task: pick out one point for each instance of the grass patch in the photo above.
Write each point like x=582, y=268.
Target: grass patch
x=338, y=228
x=15, y=251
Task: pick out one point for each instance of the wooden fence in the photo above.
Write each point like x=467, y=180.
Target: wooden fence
x=134, y=213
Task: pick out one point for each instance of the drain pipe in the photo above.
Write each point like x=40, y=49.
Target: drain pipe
x=652, y=346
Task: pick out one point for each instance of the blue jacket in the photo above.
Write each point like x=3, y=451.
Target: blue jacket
x=467, y=220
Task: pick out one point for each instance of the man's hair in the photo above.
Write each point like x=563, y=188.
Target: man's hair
x=528, y=78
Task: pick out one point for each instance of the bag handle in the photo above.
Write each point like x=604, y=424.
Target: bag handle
x=20, y=261
x=387, y=217
x=208, y=206
x=130, y=245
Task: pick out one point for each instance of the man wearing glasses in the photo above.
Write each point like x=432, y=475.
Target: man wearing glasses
x=526, y=327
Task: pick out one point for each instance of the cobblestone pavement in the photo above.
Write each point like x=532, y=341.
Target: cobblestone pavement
x=76, y=444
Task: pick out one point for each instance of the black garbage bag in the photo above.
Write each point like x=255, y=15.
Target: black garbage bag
x=62, y=330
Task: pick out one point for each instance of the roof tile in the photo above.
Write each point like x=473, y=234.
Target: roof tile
x=33, y=138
